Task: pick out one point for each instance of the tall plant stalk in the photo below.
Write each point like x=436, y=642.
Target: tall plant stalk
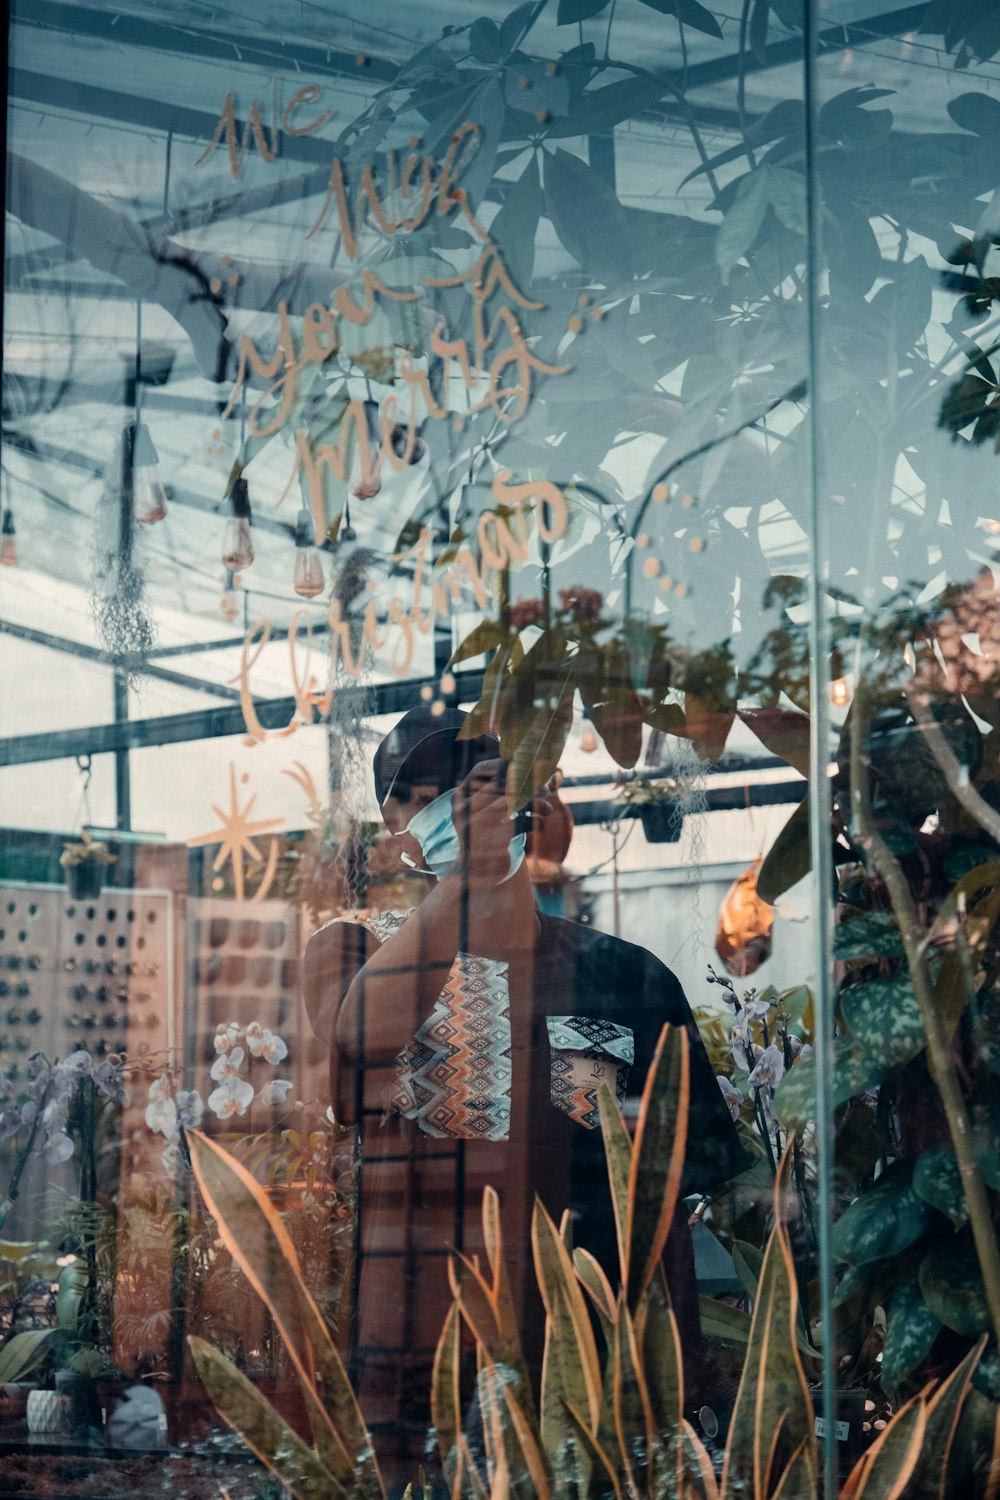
x=939, y=1051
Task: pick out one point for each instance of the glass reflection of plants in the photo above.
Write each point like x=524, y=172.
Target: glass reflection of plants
x=608, y=1418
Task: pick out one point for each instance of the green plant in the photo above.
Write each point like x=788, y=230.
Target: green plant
x=609, y=1415
x=86, y=850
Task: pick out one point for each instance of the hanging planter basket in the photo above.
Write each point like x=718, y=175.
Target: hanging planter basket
x=660, y=822
x=85, y=879
x=85, y=863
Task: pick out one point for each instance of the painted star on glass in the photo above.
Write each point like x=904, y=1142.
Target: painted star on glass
x=235, y=836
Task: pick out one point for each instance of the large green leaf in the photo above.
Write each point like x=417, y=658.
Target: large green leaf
x=529, y=87
x=587, y=217
x=886, y=1219
x=788, y=860
x=742, y=222
x=912, y=1329
x=784, y=731
x=937, y=1179
x=853, y=1073
x=952, y=1286
x=690, y=13
x=578, y=10
x=516, y=223
x=873, y=934
x=23, y=1352
x=484, y=41
x=884, y=1016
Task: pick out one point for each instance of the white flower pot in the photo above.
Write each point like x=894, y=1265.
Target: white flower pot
x=48, y=1411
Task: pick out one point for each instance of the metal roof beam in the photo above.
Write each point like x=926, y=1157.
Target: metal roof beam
x=213, y=723
x=83, y=652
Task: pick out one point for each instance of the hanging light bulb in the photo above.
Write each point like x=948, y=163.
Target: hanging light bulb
x=149, y=498
x=407, y=443
x=346, y=532
x=366, y=481
x=308, y=578
x=588, y=741
x=229, y=605
x=8, y=541
x=237, y=543
x=840, y=693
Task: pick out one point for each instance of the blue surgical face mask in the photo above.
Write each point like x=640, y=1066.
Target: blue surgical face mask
x=434, y=829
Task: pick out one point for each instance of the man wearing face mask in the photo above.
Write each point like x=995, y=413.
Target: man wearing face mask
x=468, y=1041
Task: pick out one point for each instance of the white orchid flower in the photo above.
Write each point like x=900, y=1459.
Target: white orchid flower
x=190, y=1107
x=255, y=1037
x=272, y=1049
x=732, y=1095
x=161, y=1115
x=275, y=1092
x=769, y=1069
x=232, y=1097
x=58, y=1147
x=225, y=1036
x=227, y=1065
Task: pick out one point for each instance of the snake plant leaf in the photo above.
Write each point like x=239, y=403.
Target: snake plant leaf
x=885, y=1220
x=884, y=1016
x=699, y=1473
x=618, y=1159
x=912, y=1330
x=937, y=1179
x=493, y=1240
x=886, y=1469
x=944, y=1409
x=571, y=1371
x=447, y=1410
x=663, y=1367
x=773, y=1392
x=534, y=1464
x=601, y=1456
x=660, y=1137
x=253, y=1417
x=595, y=1283
x=798, y=1482
x=635, y=1425
x=952, y=1286
x=254, y=1234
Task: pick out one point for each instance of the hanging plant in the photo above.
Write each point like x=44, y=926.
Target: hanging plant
x=118, y=593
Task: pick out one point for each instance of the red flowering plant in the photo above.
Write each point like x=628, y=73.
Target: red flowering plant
x=627, y=671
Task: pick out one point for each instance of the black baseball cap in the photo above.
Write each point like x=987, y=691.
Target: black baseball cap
x=425, y=747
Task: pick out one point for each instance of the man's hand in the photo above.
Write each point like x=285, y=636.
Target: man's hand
x=485, y=827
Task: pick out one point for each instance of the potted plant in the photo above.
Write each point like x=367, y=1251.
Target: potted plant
x=661, y=821
x=85, y=862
